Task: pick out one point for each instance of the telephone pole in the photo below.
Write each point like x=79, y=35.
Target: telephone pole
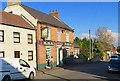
x=90, y=46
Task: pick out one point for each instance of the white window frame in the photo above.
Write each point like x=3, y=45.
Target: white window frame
x=48, y=49
x=16, y=35
x=30, y=55
x=59, y=36
x=68, y=52
x=49, y=34
x=67, y=37
x=1, y=35
x=30, y=39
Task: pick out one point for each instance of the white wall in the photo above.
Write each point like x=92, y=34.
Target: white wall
x=9, y=47
x=17, y=9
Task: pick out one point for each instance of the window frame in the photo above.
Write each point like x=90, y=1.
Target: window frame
x=30, y=56
x=16, y=37
x=31, y=39
x=67, y=37
x=3, y=54
x=2, y=36
x=58, y=36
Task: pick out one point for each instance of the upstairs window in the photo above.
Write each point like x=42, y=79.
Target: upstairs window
x=16, y=37
x=48, y=38
x=59, y=36
x=30, y=39
x=1, y=36
x=67, y=37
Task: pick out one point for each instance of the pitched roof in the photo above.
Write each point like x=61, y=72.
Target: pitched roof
x=46, y=18
x=14, y=20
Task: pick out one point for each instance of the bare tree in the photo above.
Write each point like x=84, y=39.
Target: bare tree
x=105, y=36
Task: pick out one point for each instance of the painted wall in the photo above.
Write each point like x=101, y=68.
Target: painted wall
x=9, y=46
x=18, y=10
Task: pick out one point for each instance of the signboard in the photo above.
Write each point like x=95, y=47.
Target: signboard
x=44, y=32
x=48, y=43
x=67, y=44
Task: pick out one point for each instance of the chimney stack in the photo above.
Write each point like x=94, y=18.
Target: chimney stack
x=13, y=2
x=54, y=13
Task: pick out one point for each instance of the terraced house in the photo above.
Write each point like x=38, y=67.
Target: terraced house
x=17, y=38
x=53, y=36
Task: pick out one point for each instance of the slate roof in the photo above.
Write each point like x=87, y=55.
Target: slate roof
x=46, y=18
x=13, y=20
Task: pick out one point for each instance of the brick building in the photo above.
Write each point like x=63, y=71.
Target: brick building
x=53, y=36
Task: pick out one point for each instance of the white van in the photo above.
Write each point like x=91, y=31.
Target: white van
x=14, y=69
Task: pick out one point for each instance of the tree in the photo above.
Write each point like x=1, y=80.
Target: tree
x=105, y=36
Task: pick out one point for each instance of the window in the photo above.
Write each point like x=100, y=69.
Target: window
x=2, y=54
x=16, y=54
x=59, y=36
x=30, y=55
x=30, y=39
x=1, y=36
x=48, y=38
x=67, y=37
x=16, y=37
x=48, y=53
x=23, y=63
x=68, y=52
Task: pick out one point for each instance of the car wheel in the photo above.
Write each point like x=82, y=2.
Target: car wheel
x=6, y=78
x=31, y=76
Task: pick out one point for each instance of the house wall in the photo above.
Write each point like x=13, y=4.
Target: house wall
x=41, y=49
x=18, y=10
x=8, y=46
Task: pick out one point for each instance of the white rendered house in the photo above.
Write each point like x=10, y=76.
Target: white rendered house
x=17, y=38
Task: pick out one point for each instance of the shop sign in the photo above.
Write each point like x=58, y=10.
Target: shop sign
x=67, y=44
x=48, y=43
x=44, y=32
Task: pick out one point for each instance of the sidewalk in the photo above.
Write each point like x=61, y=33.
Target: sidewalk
x=48, y=70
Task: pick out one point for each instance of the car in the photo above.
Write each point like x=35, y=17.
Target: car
x=114, y=57
x=15, y=69
x=114, y=66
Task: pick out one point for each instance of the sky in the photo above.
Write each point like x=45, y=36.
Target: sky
x=82, y=16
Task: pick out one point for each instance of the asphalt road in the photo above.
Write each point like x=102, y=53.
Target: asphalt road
x=92, y=71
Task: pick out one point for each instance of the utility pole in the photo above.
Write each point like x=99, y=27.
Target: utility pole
x=90, y=43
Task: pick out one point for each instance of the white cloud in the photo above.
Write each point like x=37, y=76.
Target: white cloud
x=114, y=34
x=117, y=38
x=86, y=35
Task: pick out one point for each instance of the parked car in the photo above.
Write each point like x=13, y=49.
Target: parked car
x=15, y=69
x=114, y=57
x=114, y=65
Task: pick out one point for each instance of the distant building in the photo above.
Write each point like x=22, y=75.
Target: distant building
x=17, y=38
x=53, y=36
x=76, y=49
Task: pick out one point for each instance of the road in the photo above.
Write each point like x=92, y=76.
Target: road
x=90, y=71
x=85, y=72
